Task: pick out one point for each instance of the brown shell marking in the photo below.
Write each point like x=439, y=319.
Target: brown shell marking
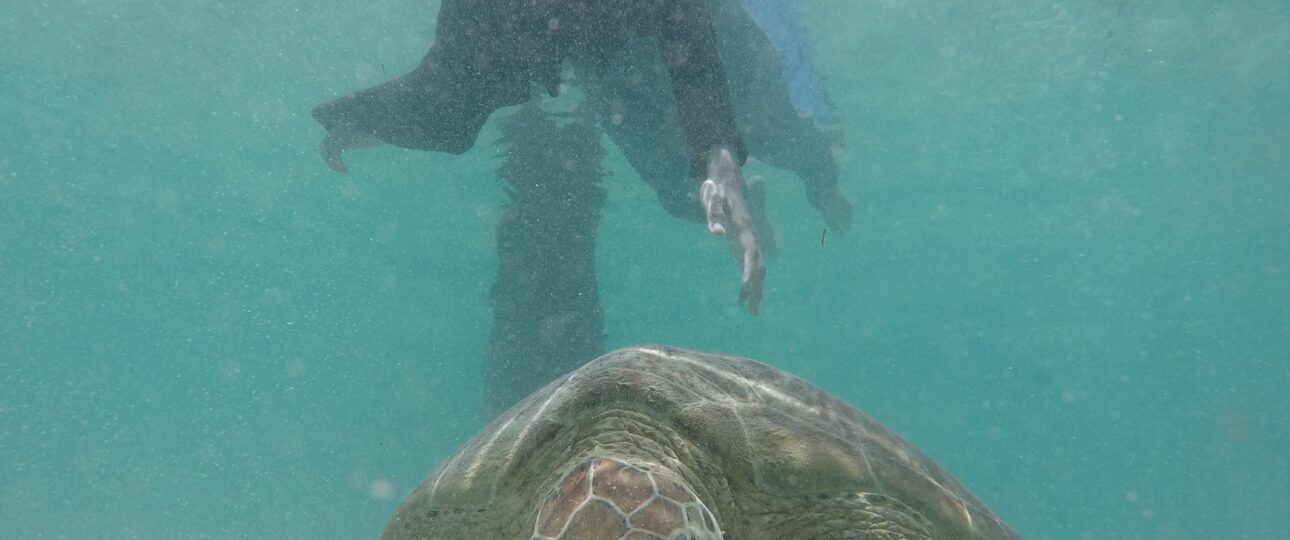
x=612, y=499
x=772, y=437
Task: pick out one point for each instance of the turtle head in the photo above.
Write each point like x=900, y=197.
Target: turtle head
x=612, y=498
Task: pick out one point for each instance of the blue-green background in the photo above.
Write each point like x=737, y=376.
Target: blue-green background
x=1068, y=282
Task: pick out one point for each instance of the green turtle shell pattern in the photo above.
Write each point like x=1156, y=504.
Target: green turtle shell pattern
x=656, y=442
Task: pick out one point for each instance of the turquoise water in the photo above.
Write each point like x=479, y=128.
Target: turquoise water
x=1068, y=283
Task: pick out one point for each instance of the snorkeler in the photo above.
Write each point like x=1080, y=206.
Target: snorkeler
x=487, y=52
x=781, y=109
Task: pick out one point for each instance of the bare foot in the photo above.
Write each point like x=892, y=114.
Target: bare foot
x=726, y=211
x=837, y=213
x=340, y=140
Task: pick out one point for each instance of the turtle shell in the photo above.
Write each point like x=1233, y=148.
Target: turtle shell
x=759, y=451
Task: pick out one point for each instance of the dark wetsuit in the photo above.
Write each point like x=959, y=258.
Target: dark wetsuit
x=784, y=121
x=486, y=53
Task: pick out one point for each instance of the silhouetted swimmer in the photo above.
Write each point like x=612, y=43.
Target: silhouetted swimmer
x=487, y=53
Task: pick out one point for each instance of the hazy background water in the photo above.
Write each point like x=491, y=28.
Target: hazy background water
x=1068, y=283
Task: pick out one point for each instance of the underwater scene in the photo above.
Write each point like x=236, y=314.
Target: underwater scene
x=1045, y=242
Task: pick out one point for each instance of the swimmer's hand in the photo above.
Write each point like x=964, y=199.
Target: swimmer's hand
x=755, y=197
x=727, y=214
x=338, y=141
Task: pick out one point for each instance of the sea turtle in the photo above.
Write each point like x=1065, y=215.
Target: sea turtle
x=654, y=442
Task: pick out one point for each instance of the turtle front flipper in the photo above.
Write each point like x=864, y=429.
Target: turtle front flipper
x=607, y=498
